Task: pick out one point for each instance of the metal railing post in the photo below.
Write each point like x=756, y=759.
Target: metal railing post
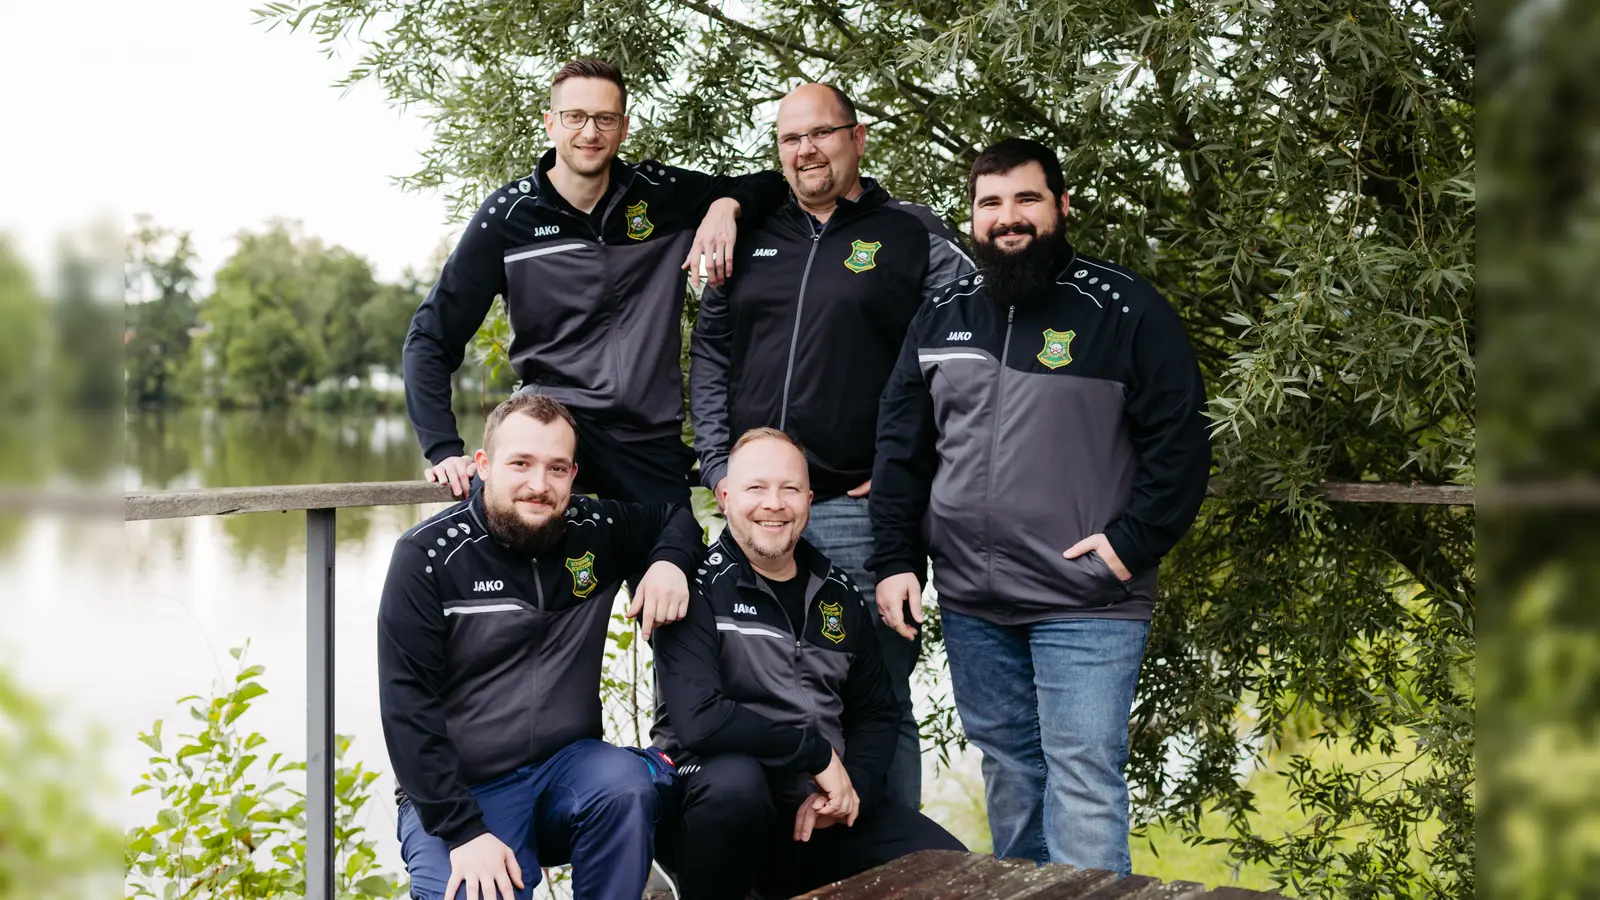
x=319, y=705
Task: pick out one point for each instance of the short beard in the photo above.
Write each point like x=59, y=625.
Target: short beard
x=812, y=192
x=521, y=537
x=1021, y=277
x=749, y=540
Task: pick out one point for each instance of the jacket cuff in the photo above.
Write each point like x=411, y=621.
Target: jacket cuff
x=1133, y=557
x=891, y=567
x=713, y=472
x=684, y=561
x=456, y=835
x=813, y=754
x=445, y=451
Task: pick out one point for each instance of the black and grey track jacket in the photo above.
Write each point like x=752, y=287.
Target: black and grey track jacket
x=594, y=314
x=737, y=676
x=489, y=661
x=1006, y=435
x=805, y=334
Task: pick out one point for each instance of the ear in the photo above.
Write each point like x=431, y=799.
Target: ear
x=1066, y=204
x=622, y=135
x=859, y=135
x=481, y=460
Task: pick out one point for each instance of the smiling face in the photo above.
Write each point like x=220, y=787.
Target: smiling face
x=527, y=479
x=823, y=170
x=1010, y=210
x=587, y=151
x=767, y=500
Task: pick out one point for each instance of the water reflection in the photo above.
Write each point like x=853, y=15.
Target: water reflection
x=201, y=449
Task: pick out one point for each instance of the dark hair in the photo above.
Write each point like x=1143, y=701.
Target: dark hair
x=843, y=100
x=1000, y=158
x=592, y=68
x=535, y=406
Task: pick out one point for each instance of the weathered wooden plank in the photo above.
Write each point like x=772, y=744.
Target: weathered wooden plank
x=1239, y=893
x=897, y=878
x=1172, y=890
x=1374, y=492
x=58, y=501
x=139, y=505
x=1073, y=884
x=1122, y=889
x=963, y=883
x=280, y=498
x=1022, y=881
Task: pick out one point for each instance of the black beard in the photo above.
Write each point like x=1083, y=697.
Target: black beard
x=1020, y=277
x=521, y=538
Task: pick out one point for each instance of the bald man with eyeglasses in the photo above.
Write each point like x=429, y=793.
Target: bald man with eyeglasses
x=804, y=335
x=590, y=255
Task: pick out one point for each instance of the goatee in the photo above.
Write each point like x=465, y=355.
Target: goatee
x=1020, y=277
x=523, y=537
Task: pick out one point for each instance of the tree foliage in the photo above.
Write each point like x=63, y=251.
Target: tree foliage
x=1297, y=178
x=160, y=283
x=288, y=313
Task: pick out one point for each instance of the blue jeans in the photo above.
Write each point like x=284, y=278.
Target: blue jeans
x=590, y=804
x=1048, y=704
x=842, y=531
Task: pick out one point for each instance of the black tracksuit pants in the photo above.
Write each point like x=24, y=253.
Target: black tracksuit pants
x=731, y=834
x=634, y=471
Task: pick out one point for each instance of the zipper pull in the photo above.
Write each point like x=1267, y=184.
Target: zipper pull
x=1011, y=312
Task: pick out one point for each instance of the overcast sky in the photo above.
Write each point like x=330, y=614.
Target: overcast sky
x=190, y=111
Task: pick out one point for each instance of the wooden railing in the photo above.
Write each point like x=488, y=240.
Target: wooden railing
x=320, y=502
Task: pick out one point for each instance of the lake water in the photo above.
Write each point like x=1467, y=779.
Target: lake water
x=113, y=622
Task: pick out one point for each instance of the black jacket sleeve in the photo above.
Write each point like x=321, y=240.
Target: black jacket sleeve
x=902, y=472
x=411, y=662
x=870, y=719
x=759, y=193
x=445, y=323
x=709, y=354
x=689, y=676
x=1167, y=426
x=645, y=534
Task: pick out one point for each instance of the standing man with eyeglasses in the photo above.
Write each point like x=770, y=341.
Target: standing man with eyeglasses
x=589, y=254
x=803, y=339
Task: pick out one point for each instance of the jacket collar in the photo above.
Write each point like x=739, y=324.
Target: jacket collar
x=872, y=196
x=621, y=179
x=808, y=558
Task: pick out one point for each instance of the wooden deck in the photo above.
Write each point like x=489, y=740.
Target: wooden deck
x=947, y=875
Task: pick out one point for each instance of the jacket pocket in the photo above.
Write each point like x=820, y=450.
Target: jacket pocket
x=1089, y=583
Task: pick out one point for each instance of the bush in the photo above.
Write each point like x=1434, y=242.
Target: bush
x=232, y=827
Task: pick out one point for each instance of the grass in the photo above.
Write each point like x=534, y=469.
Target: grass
x=955, y=800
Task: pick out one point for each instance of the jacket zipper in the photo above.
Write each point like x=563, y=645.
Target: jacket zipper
x=794, y=338
x=538, y=584
x=799, y=682
x=994, y=444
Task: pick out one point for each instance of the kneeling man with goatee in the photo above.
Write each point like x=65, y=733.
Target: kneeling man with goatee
x=491, y=634
x=775, y=706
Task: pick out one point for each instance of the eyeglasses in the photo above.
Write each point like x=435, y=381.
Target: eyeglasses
x=792, y=141
x=577, y=119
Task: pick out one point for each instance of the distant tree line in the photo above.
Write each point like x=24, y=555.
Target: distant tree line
x=289, y=319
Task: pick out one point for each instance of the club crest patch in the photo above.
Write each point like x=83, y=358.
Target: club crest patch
x=1057, y=350
x=863, y=256
x=583, y=579
x=832, y=620
x=639, y=224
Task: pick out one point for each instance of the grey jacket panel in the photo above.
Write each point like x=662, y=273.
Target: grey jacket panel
x=1053, y=469
x=551, y=652
x=621, y=369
